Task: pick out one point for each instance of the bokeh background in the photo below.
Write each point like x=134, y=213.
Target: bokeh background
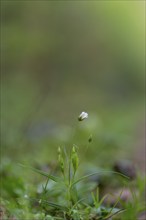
x=60, y=58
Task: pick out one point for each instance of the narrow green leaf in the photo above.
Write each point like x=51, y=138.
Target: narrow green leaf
x=80, y=200
x=54, y=178
x=93, y=174
x=102, y=200
x=111, y=213
x=115, y=213
x=52, y=204
x=118, y=200
x=94, y=199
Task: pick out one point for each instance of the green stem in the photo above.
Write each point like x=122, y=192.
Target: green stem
x=69, y=170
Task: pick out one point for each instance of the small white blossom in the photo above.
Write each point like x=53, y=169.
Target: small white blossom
x=83, y=116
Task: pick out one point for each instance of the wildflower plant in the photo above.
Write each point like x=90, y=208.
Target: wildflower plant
x=70, y=205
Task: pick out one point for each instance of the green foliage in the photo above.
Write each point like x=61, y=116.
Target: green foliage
x=64, y=195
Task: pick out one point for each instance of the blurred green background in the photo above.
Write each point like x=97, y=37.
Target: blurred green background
x=63, y=57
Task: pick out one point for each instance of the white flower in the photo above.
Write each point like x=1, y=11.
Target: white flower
x=83, y=116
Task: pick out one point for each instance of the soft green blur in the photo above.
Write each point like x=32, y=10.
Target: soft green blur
x=60, y=58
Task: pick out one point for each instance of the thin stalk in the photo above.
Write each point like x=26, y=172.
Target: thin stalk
x=69, y=170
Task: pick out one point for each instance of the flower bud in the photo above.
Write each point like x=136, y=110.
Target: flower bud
x=90, y=139
x=59, y=150
x=83, y=116
x=60, y=160
x=75, y=159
